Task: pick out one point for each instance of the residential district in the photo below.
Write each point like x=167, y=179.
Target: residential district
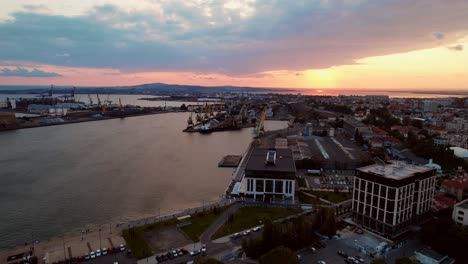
x=351, y=179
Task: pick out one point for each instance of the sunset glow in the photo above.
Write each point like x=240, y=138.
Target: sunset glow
x=244, y=43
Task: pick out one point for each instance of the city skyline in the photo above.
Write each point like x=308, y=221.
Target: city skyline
x=305, y=44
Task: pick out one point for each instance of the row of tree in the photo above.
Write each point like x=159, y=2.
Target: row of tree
x=294, y=234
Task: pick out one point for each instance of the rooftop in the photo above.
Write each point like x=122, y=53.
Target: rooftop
x=282, y=161
x=428, y=252
x=457, y=183
x=463, y=204
x=395, y=170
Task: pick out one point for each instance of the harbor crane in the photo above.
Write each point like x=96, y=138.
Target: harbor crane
x=259, y=129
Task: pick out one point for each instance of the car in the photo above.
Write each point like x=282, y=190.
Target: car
x=321, y=262
x=341, y=253
x=299, y=257
x=353, y=260
x=92, y=255
x=358, y=258
x=184, y=251
x=179, y=252
x=110, y=250
x=87, y=257
x=104, y=251
x=235, y=235
x=313, y=249
x=174, y=253
x=203, y=248
x=194, y=253
x=122, y=248
x=116, y=262
x=98, y=253
x=256, y=229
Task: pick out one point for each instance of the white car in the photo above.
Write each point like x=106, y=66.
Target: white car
x=203, y=248
x=98, y=253
x=313, y=249
x=358, y=258
x=122, y=248
x=92, y=255
x=321, y=262
x=104, y=251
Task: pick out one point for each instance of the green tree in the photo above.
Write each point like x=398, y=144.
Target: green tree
x=404, y=260
x=279, y=255
x=328, y=227
x=378, y=261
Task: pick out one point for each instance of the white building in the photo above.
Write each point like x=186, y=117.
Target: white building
x=270, y=175
x=387, y=199
x=460, y=213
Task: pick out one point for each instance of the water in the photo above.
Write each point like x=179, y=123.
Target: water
x=132, y=99
x=70, y=177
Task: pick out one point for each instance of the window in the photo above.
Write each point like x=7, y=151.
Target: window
x=369, y=187
x=259, y=186
x=279, y=186
x=461, y=212
x=460, y=218
x=383, y=191
x=391, y=193
x=269, y=186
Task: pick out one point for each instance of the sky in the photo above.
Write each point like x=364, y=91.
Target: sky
x=317, y=44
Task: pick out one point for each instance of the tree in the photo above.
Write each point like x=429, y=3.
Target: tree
x=183, y=107
x=378, y=261
x=279, y=255
x=404, y=260
x=328, y=227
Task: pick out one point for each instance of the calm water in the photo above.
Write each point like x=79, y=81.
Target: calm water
x=66, y=178
x=131, y=99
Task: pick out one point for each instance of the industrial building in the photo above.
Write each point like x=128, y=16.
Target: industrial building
x=387, y=199
x=269, y=175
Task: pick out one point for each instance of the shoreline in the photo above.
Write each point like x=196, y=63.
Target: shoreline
x=88, y=119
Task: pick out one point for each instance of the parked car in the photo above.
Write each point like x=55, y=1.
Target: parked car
x=358, y=258
x=104, y=251
x=342, y=253
x=321, y=262
x=299, y=257
x=98, y=253
x=122, y=248
x=313, y=249
x=203, y=248
x=92, y=255
x=194, y=253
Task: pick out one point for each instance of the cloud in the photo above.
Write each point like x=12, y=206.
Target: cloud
x=458, y=47
x=22, y=72
x=231, y=37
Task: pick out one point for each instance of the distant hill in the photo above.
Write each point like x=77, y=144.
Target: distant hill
x=150, y=88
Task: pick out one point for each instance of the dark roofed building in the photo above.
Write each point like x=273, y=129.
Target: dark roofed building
x=270, y=174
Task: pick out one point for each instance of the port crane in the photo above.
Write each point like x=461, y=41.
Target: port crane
x=259, y=129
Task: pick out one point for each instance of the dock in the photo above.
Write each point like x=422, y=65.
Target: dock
x=230, y=161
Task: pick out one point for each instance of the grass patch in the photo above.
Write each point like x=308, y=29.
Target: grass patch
x=334, y=197
x=201, y=221
x=301, y=182
x=134, y=237
x=303, y=198
x=248, y=217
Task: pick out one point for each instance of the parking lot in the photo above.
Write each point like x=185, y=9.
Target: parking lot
x=330, y=182
x=346, y=242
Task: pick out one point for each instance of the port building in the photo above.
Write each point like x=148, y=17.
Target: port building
x=270, y=175
x=388, y=199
